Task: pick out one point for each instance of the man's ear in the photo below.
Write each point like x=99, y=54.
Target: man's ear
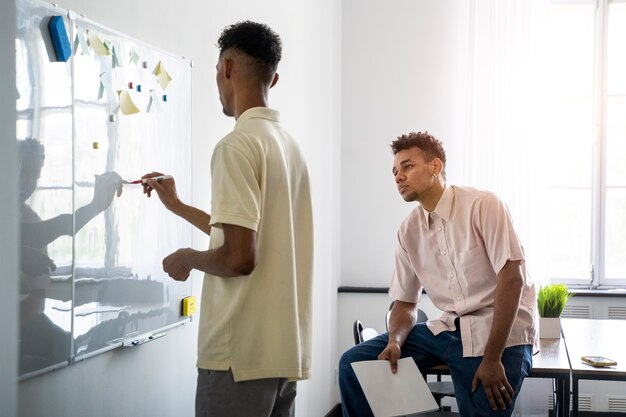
x=228, y=67
x=437, y=166
x=274, y=80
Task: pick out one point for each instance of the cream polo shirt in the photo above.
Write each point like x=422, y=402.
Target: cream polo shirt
x=455, y=253
x=260, y=325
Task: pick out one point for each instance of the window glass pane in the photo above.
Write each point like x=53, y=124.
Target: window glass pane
x=562, y=71
x=565, y=41
x=615, y=220
x=568, y=233
x=615, y=250
x=616, y=53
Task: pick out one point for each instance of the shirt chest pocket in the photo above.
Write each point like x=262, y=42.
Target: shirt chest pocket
x=474, y=267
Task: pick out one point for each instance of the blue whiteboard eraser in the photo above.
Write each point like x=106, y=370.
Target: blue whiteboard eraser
x=60, y=40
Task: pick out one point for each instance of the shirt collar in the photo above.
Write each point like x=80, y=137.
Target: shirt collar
x=444, y=205
x=258, y=113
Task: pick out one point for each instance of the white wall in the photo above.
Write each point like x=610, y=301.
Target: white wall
x=402, y=71
x=8, y=214
x=159, y=378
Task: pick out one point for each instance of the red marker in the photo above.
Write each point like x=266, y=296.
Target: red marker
x=145, y=180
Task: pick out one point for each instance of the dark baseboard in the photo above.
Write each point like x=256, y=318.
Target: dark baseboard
x=336, y=411
x=595, y=414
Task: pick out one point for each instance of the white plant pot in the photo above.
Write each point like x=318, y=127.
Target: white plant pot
x=550, y=327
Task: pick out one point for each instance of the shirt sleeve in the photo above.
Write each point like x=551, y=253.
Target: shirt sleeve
x=235, y=188
x=405, y=285
x=501, y=240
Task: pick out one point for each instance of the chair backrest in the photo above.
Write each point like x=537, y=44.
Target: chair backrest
x=369, y=333
x=357, y=328
x=362, y=334
x=421, y=316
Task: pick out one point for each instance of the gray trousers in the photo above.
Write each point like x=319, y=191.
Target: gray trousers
x=218, y=395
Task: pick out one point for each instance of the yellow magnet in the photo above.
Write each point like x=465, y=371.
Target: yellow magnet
x=189, y=305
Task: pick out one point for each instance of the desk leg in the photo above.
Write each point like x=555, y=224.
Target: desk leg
x=561, y=394
x=565, y=393
x=557, y=396
x=575, y=396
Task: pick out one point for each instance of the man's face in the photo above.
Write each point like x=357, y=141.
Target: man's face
x=413, y=175
x=223, y=87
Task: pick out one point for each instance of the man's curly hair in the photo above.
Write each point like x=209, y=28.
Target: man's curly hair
x=256, y=40
x=427, y=143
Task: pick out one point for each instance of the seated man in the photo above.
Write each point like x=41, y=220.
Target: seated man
x=459, y=245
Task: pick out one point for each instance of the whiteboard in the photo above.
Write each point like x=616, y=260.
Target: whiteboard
x=91, y=275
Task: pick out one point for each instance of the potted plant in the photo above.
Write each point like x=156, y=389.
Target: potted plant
x=551, y=300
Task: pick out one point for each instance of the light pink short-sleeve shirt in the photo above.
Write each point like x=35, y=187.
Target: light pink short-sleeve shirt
x=455, y=253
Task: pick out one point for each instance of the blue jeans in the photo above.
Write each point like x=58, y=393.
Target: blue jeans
x=428, y=350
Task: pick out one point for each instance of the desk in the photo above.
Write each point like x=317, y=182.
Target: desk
x=552, y=362
x=599, y=338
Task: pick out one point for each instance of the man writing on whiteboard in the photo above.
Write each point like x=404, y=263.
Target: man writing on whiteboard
x=254, y=337
x=459, y=245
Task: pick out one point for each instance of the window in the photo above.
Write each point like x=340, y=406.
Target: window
x=587, y=195
x=547, y=130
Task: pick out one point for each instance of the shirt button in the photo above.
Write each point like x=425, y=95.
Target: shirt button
x=458, y=298
x=443, y=252
x=451, y=274
x=439, y=229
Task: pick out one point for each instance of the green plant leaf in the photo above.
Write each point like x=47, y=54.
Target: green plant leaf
x=551, y=299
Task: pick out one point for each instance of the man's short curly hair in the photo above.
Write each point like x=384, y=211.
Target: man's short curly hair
x=31, y=149
x=256, y=40
x=427, y=143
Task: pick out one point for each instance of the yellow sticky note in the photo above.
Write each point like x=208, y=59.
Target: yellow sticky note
x=157, y=69
x=126, y=103
x=189, y=305
x=163, y=77
x=96, y=43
